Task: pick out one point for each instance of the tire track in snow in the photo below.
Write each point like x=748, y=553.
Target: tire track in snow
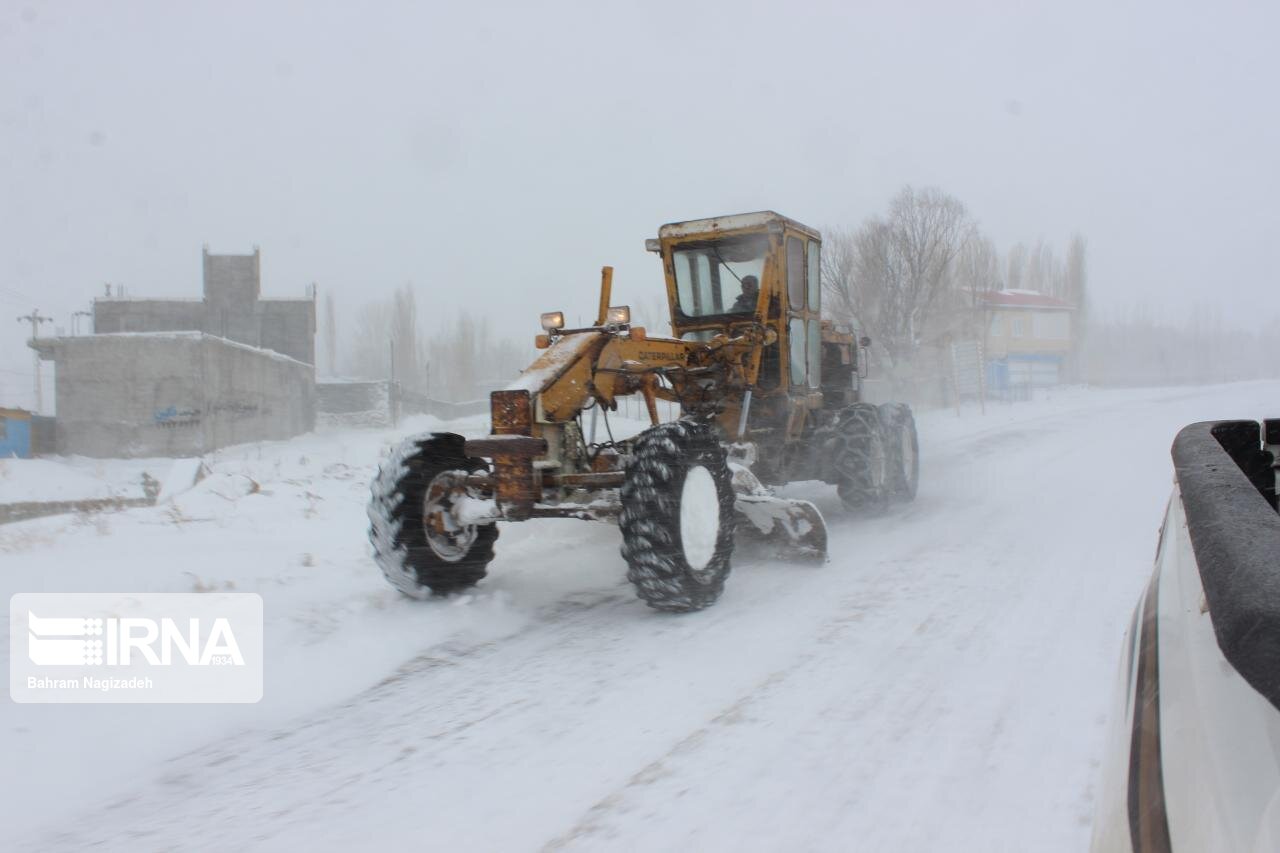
x=847, y=683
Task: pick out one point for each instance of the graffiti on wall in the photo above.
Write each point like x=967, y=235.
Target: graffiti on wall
x=234, y=410
x=173, y=417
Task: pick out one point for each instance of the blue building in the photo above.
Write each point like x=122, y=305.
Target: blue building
x=15, y=434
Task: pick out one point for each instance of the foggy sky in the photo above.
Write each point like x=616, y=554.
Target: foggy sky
x=496, y=155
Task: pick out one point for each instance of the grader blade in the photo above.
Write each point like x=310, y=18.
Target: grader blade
x=794, y=526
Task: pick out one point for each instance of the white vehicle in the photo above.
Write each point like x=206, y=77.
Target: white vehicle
x=1193, y=760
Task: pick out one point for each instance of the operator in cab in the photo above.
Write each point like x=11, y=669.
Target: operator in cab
x=746, y=301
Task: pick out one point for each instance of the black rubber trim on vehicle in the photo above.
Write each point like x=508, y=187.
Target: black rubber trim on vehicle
x=1148, y=817
x=1271, y=430
x=1227, y=486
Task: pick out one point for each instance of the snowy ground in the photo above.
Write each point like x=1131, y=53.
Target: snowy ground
x=941, y=684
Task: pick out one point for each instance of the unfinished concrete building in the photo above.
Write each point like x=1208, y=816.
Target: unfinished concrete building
x=232, y=307
x=180, y=377
x=173, y=394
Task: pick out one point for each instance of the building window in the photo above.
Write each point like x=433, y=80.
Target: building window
x=997, y=326
x=1051, y=325
x=1019, y=327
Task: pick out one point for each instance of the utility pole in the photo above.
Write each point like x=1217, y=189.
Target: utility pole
x=35, y=320
x=75, y=320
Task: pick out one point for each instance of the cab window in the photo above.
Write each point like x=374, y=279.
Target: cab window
x=796, y=331
x=815, y=353
x=719, y=276
x=815, y=277
x=795, y=273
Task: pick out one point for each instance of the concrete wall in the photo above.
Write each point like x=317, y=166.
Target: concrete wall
x=232, y=308
x=353, y=403
x=232, y=279
x=147, y=315
x=44, y=438
x=175, y=394
x=288, y=326
x=252, y=395
x=231, y=289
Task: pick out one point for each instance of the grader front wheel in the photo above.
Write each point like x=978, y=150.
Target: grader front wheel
x=418, y=544
x=677, y=517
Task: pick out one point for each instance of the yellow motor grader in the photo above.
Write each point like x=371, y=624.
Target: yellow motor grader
x=768, y=393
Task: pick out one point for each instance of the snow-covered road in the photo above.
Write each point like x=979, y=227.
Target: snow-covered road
x=941, y=684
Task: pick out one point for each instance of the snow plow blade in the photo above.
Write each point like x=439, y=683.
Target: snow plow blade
x=795, y=527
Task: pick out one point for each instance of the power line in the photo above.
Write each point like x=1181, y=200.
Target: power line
x=35, y=319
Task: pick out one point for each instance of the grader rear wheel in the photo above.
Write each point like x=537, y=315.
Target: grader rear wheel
x=903, y=447
x=862, y=460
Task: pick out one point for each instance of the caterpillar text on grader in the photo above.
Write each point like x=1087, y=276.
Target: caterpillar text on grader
x=768, y=394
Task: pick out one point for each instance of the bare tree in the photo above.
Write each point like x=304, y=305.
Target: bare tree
x=330, y=333
x=459, y=361
x=840, y=258
x=408, y=364
x=977, y=274
x=977, y=268
x=1045, y=273
x=1076, y=273
x=1142, y=347
x=1016, y=267
x=467, y=360
x=929, y=228
x=1035, y=279
x=369, y=355
x=1075, y=290
x=895, y=277
x=889, y=276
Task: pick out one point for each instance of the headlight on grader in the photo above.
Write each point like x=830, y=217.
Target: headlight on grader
x=619, y=315
x=553, y=320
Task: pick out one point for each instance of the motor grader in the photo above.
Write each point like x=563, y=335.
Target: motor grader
x=768, y=394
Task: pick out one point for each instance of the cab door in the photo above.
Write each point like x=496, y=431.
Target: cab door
x=804, y=333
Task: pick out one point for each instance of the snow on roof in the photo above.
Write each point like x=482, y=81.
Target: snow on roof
x=731, y=223
x=45, y=346
x=1023, y=299
x=187, y=333
x=278, y=356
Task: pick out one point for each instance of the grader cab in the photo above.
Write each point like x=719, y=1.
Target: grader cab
x=768, y=393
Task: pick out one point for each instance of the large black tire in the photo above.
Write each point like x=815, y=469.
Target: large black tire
x=861, y=460
x=677, y=479
x=415, y=563
x=903, y=445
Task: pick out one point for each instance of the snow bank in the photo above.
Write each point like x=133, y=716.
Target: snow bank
x=72, y=478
